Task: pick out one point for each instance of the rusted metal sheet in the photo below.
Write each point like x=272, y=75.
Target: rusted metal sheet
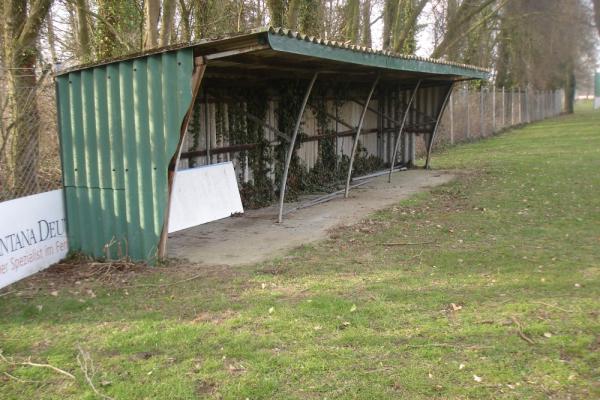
x=119, y=128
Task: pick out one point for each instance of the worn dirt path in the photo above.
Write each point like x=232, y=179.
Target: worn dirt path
x=256, y=236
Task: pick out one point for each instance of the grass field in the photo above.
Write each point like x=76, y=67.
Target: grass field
x=488, y=287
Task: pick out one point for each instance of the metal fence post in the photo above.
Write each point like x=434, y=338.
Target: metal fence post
x=512, y=106
x=503, y=107
x=520, y=104
x=493, y=108
x=451, y=118
x=468, y=113
x=481, y=129
x=527, y=112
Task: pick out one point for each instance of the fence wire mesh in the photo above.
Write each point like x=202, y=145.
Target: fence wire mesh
x=29, y=150
x=29, y=147
x=473, y=114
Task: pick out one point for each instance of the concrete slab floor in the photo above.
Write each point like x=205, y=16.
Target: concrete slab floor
x=256, y=236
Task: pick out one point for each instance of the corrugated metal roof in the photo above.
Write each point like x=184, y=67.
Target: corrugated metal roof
x=287, y=41
x=119, y=128
x=367, y=50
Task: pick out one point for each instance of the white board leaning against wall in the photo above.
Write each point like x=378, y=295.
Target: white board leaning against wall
x=202, y=195
x=32, y=235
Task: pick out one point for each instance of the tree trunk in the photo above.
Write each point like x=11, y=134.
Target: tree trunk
x=83, y=31
x=277, y=11
x=292, y=14
x=186, y=29
x=26, y=133
x=570, y=85
x=151, y=16
x=310, y=17
x=405, y=25
x=366, y=24
x=167, y=21
x=51, y=37
x=351, y=26
x=202, y=11
x=22, y=23
x=107, y=43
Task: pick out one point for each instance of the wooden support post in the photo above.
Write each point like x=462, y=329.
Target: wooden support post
x=199, y=68
x=358, y=129
x=290, y=152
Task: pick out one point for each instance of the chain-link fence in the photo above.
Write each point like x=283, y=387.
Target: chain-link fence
x=29, y=156
x=473, y=113
x=29, y=150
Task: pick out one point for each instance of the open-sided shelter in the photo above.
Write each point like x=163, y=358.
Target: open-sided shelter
x=123, y=123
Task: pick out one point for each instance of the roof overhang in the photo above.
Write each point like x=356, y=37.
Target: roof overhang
x=277, y=53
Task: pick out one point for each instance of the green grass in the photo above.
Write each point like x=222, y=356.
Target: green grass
x=516, y=239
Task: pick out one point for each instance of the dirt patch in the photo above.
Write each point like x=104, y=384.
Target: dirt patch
x=256, y=236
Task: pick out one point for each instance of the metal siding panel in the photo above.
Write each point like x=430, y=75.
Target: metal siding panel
x=117, y=181
x=141, y=167
x=129, y=155
x=90, y=173
x=156, y=142
x=103, y=158
x=119, y=129
x=76, y=228
x=66, y=141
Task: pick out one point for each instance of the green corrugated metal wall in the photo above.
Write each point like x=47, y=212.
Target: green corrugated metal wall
x=119, y=128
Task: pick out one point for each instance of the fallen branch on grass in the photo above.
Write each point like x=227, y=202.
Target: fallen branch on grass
x=32, y=364
x=520, y=332
x=87, y=367
x=19, y=379
x=171, y=283
x=406, y=243
x=553, y=306
x=449, y=345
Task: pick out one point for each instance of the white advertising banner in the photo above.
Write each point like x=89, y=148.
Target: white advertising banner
x=202, y=195
x=32, y=235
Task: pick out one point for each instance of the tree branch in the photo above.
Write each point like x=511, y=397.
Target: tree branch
x=110, y=27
